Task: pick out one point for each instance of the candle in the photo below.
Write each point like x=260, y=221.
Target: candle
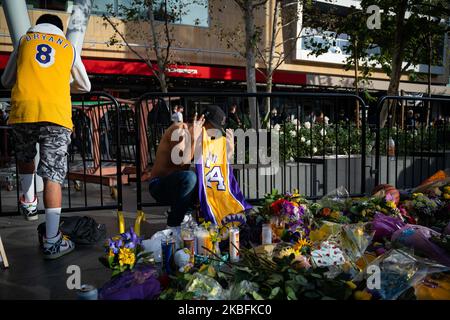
x=234, y=244
x=267, y=233
x=203, y=241
x=187, y=235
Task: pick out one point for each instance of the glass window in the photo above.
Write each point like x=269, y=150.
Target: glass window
x=101, y=6
x=188, y=12
x=59, y=5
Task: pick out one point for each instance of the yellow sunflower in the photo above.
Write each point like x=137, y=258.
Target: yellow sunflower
x=287, y=252
x=301, y=243
x=126, y=256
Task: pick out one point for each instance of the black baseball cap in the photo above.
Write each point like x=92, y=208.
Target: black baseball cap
x=215, y=115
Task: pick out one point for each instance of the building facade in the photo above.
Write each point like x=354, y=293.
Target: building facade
x=201, y=60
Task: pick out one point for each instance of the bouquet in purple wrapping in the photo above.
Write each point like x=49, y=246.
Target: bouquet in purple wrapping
x=139, y=284
x=419, y=238
x=384, y=226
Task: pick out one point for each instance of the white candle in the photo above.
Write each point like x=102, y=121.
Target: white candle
x=203, y=241
x=267, y=233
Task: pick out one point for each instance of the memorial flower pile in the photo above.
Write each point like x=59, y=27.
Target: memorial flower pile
x=319, y=250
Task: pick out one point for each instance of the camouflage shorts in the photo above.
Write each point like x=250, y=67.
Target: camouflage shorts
x=53, y=142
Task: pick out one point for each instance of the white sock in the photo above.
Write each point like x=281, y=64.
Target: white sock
x=52, y=216
x=27, y=184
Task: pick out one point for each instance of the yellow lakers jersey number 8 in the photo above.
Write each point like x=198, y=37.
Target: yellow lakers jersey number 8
x=42, y=89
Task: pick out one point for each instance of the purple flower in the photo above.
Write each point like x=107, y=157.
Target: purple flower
x=130, y=245
x=113, y=246
x=289, y=208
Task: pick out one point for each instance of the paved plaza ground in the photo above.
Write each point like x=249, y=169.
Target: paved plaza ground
x=31, y=277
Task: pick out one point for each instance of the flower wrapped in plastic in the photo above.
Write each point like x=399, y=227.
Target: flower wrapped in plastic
x=241, y=290
x=336, y=200
x=205, y=287
x=141, y=283
x=384, y=226
x=397, y=271
x=419, y=238
x=327, y=255
x=355, y=238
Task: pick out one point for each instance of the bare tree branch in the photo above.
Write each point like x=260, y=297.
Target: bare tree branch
x=116, y=30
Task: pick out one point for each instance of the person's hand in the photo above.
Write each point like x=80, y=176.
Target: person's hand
x=198, y=125
x=199, y=121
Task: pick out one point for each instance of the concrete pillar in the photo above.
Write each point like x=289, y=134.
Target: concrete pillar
x=17, y=19
x=78, y=21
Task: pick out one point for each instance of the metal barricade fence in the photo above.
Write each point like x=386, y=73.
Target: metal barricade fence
x=318, y=152
x=413, y=140
x=94, y=179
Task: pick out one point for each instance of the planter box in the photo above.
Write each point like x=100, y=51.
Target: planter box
x=318, y=176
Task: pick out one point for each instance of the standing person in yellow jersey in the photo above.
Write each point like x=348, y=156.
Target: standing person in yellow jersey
x=42, y=72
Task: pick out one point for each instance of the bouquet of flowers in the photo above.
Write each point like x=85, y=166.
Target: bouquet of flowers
x=123, y=252
x=423, y=208
x=288, y=213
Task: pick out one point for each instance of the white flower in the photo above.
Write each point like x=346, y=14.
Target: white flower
x=277, y=127
x=326, y=120
x=302, y=139
x=296, y=122
x=307, y=125
x=323, y=132
x=308, y=142
x=314, y=150
x=293, y=133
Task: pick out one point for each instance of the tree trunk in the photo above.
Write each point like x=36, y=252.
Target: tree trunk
x=397, y=61
x=250, y=54
x=269, y=71
x=160, y=60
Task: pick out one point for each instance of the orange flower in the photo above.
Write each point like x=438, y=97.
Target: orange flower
x=326, y=212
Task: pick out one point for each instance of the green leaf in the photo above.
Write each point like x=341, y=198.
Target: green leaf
x=274, y=292
x=311, y=295
x=301, y=280
x=290, y=293
x=256, y=296
x=274, y=279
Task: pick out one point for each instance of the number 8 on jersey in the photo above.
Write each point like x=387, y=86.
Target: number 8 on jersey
x=45, y=55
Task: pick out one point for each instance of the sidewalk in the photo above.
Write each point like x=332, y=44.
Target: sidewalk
x=31, y=277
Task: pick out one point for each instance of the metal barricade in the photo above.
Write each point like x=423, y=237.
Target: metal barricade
x=413, y=139
x=94, y=179
x=317, y=154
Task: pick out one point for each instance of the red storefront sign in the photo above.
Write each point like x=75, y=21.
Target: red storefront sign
x=124, y=67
